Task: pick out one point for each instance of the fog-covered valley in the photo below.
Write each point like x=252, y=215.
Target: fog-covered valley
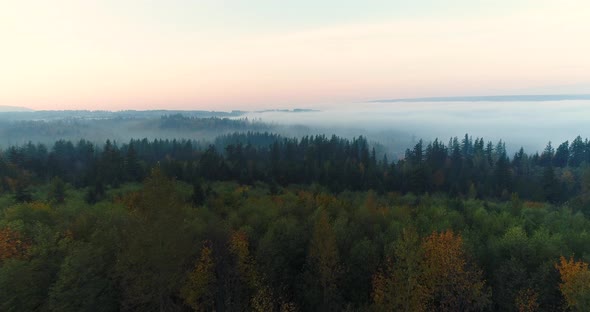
x=393, y=126
x=529, y=124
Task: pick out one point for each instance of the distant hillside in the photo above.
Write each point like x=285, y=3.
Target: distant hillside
x=47, y=115
x=494, y=98
x=9, y=109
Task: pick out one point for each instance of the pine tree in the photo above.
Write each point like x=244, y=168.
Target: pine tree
x=57, y=191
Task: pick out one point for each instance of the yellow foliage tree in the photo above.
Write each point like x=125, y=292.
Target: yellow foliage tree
x=199, y=290
x=400, y=285
x=324, y=260
x=262, y=298
x=453, y=283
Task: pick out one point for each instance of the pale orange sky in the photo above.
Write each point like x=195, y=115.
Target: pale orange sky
x=254, y=54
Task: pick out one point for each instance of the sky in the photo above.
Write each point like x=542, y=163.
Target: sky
x=264, y=54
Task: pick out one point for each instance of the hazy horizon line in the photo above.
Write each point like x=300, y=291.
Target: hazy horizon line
x=492, y=98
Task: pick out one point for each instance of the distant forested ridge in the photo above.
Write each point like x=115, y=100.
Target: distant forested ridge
x=494, y=98
x=48, y=127
x=255, y=221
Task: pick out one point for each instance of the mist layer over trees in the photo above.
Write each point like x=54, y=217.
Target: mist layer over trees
x=396, y=126
x=528, y=124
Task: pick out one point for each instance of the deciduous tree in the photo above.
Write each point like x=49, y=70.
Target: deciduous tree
x=575, y=283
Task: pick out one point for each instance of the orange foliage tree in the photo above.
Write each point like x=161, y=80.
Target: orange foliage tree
x=12, y=244
x=527, y=300
x=575, y=283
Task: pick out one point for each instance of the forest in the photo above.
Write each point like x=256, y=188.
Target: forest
x=257, y=221
x=98, y=126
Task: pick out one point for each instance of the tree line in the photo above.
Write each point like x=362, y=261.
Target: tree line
x=466, y=168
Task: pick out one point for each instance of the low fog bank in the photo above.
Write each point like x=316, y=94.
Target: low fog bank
x=527, y=124
x=46, y=127
x=391, y=127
